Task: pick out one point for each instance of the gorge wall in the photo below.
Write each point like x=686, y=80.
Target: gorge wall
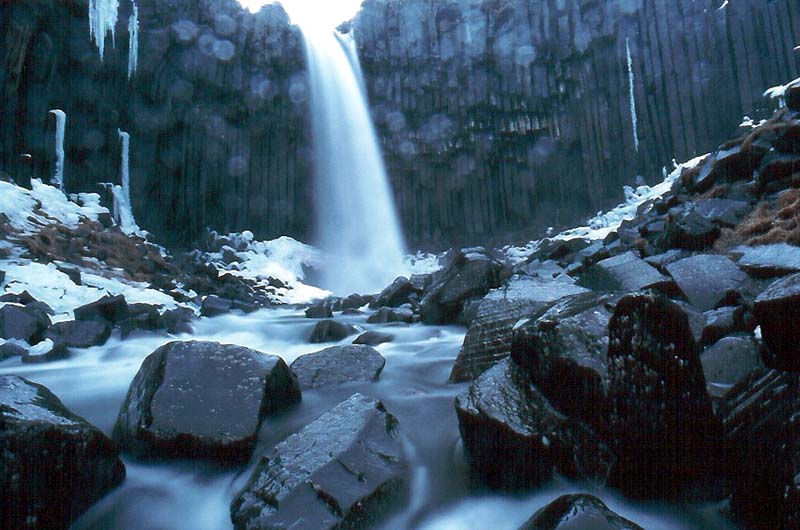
x=497, y=117
x=502, y=114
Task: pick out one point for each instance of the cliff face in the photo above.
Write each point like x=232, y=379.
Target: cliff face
x=216, y=111
x=500, y=116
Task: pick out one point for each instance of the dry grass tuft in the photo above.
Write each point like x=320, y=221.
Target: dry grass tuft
x=720, y=191
x=776, y=222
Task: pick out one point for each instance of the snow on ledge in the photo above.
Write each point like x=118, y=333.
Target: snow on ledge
x=18, y=205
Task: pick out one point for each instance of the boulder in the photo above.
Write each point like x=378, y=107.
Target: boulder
x=660, y=261
x=661, y=423
x=373, y=338
x=707, y=280
x=776, y=171
x=488, y=339
x=329, y=330
x=578, y=512
x=690, y=231
x=761, y=422
x=53, y=464
x=626, y=272
x=203, y=400
x=514, y=439
x=10, y=349
x=319, y=310
x=214, y=306
x=354, y=301
x=398, y=293
x=793, y=98
x=729, y=361
x=469, y=277
x=338, y=365
x=45, y=352
x=385, y=315
x=343, y=470
x=777, y=311
x=722, y=212
x=769, y=261
x=79, y=333
x=564, y=353
x=22, y=323
x=721, y=322
x=113, y=309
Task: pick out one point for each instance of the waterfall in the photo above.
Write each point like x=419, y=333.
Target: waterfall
x=61, y=126
x=357, y=225
x=133, y=32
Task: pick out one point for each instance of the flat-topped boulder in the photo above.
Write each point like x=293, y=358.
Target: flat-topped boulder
x=578, y=512
x=626, y=272
x=661, y=422
x=515, y=439
x=113, y=309
x=338, y=365
x=708, y=279
x=343, y=470
x=722, y=212
x=79, y=333
x=373, y=338
x=488, y=339
x=203, y=400
x=777, y=311
x=53, y=464
x=769, y=261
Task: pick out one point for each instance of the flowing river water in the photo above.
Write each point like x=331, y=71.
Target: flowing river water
x=175, y=495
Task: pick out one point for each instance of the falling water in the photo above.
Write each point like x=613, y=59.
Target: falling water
x=357, y=223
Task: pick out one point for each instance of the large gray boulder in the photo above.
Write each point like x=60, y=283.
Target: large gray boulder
x=488, y=339
x=338, y=365
x=708, y=279
x=53, y=464
x=661, y=422
x=343, y=470
x=514, y=439
x=626, y=272
x=203, y=400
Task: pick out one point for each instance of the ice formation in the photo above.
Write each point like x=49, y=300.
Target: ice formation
x=103, y=16
x=133, y=32
x=61, y=126
x=123, y=212
x=634, y=121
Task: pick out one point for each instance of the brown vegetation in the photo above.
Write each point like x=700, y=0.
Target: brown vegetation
x=775, y=222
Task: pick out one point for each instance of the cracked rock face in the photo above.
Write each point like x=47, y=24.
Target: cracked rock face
x=340, y=471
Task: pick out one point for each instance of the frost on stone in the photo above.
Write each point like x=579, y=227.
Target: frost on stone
x=133, y=32
x=61, y=125
x=103, y=16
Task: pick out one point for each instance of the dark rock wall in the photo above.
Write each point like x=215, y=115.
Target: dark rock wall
x=498, y=117
x=502, y=116
x=216, y=112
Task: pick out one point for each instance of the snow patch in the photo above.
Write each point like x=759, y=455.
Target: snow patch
x=779, y=92
x=748, y=122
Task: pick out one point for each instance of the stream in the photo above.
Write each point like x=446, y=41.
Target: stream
x=169, y=494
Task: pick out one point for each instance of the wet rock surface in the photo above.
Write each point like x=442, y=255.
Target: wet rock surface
x=343, y=470
x=53, y=464
x=489, y=336
x=79, y=333
x=708, y=279
x=514, y=438
x=578, y=512
x=329, y=330
x=625, y=272
x=777, y=311
x=338, y=365
x=203, y=400
x=661, y=422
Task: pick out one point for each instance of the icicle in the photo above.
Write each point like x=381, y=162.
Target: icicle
x=123, y=212
x=133, y=32
x=102, y=19
x=61, y=126
x=634, y=121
